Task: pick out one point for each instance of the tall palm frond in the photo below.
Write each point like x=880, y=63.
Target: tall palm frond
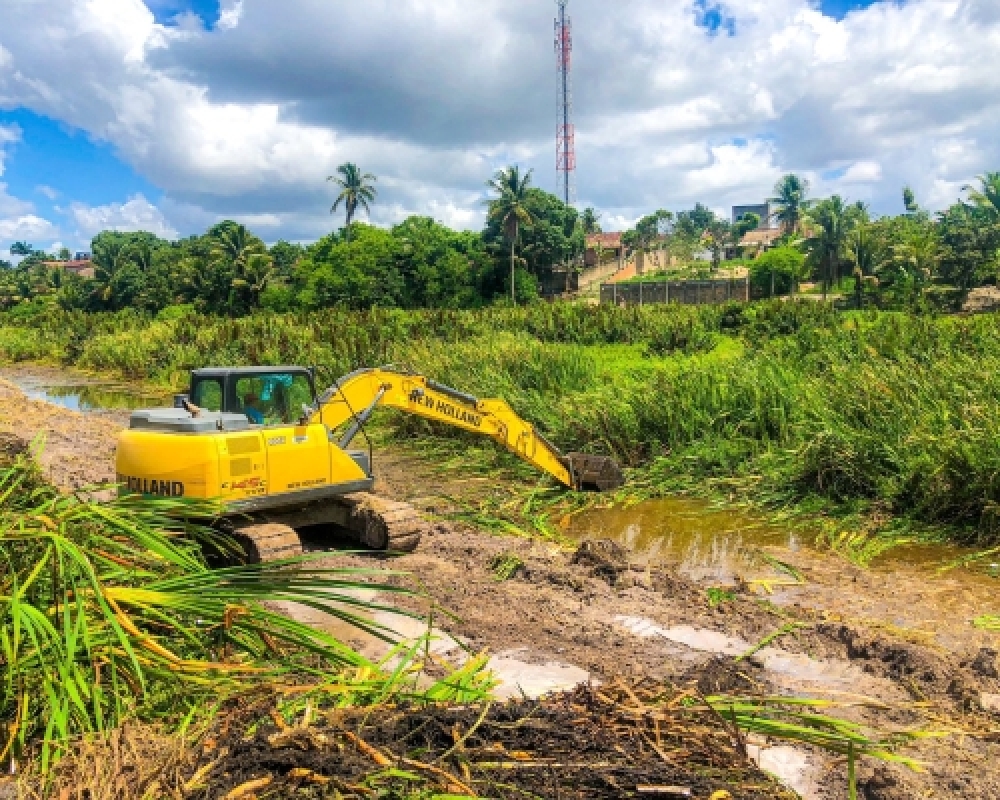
x=356, y=191
x=109, y=257
x=790, y=202
x=107, y=609
x=833, y=221
x=987, y=195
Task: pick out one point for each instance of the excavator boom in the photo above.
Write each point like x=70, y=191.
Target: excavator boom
x=354, y=397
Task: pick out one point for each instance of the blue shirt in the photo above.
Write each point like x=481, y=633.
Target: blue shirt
x=254, y=415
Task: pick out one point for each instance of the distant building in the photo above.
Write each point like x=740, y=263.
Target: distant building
x=83, y=267
x=603, y=246
x=762, y=210
x=82, y=256
x=761, y=239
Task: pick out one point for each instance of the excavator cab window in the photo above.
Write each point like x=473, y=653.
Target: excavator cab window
x=208, y=394
x=273, y=399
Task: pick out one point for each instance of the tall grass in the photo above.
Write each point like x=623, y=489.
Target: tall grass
x=784, y=401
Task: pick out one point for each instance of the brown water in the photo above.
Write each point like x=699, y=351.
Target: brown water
x=905, y=588
x=712, y=543
x=707, y=543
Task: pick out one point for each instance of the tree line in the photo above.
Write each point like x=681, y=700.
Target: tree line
x=421, y=263
x=892, y=259
x=229, y=270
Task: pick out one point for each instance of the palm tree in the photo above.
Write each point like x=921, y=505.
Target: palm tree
x=987, y=196
x=355, y=190
x=509, y=208
x=790, y=202
x=109, y=257
x=236, y=244
x=834, y=221
x=238, y=249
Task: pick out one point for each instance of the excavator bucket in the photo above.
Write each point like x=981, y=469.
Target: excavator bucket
x=595, y=473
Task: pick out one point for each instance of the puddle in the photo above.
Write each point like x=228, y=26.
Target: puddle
x=793, y=767
x=793, y=671
x=715, y=545
x=705, y=543
x=519, y=678
x=78, y=392
x=516, y=676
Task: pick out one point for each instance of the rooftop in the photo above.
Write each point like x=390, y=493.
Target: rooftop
x=604, y=239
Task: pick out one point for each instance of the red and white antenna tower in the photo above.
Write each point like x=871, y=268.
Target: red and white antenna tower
x=565, y=131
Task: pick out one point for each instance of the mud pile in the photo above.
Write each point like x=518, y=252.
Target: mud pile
x=612, y=742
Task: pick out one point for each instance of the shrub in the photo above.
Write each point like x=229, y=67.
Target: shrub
x=784, y=263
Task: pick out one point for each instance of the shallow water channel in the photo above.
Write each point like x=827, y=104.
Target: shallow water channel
x=710, y=543
x=78, y=391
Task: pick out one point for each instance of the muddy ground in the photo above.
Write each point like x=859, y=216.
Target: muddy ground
x=894, y=646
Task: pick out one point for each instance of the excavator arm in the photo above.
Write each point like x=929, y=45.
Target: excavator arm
x=355, y=397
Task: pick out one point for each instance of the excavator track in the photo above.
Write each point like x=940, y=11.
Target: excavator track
x=268, y=541
x=383, y=524
x=374, y=522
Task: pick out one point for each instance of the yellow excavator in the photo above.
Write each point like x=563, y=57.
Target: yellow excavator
x=278, y=458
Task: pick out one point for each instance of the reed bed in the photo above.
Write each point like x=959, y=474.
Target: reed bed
x=782, y=403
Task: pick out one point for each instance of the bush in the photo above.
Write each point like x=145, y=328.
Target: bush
x=784, y=263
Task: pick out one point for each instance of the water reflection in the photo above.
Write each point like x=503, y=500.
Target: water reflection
x=706, y=543
x=86, y=395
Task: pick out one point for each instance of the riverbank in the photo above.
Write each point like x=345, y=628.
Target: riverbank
x=884, y=421
x=894, y=644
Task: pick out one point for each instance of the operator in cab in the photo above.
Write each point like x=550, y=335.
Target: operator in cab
x=251, y=403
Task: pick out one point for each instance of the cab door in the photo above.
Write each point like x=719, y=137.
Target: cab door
x=297, y=455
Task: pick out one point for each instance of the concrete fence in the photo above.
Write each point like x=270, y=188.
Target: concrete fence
x=711, y=292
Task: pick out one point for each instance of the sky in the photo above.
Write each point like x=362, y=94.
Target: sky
x=169, y=115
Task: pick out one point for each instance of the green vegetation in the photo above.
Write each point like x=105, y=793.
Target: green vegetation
x=784, y=402
x=915, y=259
x=912, y=260
x=778, y=271
x=108, y=611
x=230, y=271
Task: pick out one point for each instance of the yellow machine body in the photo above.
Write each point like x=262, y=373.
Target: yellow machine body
x=236, y=468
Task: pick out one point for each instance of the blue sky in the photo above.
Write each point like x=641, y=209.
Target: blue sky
x=839, y=8
x=52, y=156
x=165, y=11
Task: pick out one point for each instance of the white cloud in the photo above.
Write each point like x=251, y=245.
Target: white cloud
x=27, y=227
x=9, y=134
x=47, y=191
x=230, y=12
x=136, y=214
x=247, y=120
x=863, y=172
x=12, y=206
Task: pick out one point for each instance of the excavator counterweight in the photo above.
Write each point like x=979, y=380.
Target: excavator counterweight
x=279, y=458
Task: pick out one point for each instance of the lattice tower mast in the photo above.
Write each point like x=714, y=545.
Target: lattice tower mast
x=565, y=131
